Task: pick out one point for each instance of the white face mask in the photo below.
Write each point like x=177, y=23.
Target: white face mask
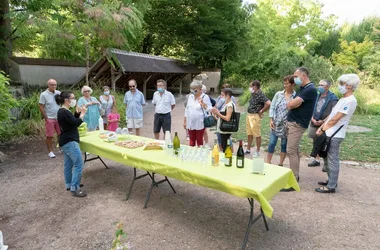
x=251, y=90
x=73, y=103
x=342, y=89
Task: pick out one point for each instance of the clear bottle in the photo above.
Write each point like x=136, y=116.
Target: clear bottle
x=228, y=155
x=240, y=156
x=168, y=142
x=101, y=124
x=215, y=153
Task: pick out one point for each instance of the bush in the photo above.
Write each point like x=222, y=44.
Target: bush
x=19, y=129
x=7, y=101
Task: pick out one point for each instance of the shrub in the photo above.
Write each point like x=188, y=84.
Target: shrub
x=7, y=101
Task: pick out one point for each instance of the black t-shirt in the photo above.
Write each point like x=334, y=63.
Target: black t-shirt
x=302, y=115
x=69, y=124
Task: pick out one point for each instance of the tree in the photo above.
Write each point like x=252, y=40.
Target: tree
x=7, y=101
x=352, y=53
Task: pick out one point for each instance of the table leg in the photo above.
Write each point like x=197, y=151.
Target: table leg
x=135, y=177
x=94, y=158
x=252, y=220
x=156, y=183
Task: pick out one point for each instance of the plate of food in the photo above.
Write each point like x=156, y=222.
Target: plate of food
x=130, y=144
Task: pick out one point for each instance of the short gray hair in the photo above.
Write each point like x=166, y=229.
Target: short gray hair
x=132, y=80
x=327, y=82
x=204, y=88
x=85, y=87
x=163, y=81
x=195, y=84
x=350, y=79
x=303, y=70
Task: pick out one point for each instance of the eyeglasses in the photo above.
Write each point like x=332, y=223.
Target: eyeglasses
x=322, y=85
x=132, y=87
x=86, y=91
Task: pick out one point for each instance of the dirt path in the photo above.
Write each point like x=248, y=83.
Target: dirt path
x=37, y=213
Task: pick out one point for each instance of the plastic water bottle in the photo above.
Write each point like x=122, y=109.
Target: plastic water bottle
x=168, y=142
x=101, y=125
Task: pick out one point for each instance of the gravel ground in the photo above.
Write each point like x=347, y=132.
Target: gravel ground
x=36, y=212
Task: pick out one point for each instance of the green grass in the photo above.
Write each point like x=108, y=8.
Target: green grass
x=362, y=147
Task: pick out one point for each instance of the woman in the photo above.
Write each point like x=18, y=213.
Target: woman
x=69, y=141
x=93, y=106
x=197, y=106
x=278, y=114
x=107, y=102
x=338, y=119
x=228, y=107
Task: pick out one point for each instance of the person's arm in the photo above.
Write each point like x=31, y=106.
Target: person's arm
x=206, y=103
x=332, y=122
x=228, y=115
x=143, y=99
x=154, y=102
x=42, y=107
x=125, y=101
x=295, y=103
x=71, y=120
x=272, y=107
x=172, y=101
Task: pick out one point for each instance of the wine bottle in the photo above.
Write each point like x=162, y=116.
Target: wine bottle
x=215, y=153
x=240, y=156
x=176, y=144
x=228, y=155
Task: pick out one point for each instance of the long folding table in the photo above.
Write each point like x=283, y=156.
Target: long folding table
x=238, y=182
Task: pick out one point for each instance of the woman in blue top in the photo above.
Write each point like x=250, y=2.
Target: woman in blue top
x=278, y=114
x=93, y=108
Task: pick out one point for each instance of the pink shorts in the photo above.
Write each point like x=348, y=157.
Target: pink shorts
x=52, y=125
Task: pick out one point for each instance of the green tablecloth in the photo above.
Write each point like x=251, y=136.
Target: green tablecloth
x=238, y=182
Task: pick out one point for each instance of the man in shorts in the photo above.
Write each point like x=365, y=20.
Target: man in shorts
x=164, y=102
x=134, y=101
x=258, y=104
x=49, y=108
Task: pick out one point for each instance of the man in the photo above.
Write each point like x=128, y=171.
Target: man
x=134, y=101
x=326, y=100
x=164, y=103
x=258, y=104
x=299, y=115
x=49, y=108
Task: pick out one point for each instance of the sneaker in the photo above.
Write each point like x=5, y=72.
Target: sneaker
x=314, y=164
x=247, y=152
x=51, y=155
x=78, y=193
x=256, y=154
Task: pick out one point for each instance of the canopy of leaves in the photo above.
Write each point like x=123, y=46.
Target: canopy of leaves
x=7, y=100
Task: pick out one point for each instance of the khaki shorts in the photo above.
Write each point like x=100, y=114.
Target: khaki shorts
x=253, y=125
x=135, y=123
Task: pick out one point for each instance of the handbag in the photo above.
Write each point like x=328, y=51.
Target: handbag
x=208, y=120
x=321, y=145
x=233, y=124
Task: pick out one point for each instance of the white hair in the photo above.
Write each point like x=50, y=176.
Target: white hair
x=350, y=79
x=195, y=84
x=84, y=88
x=204, y=88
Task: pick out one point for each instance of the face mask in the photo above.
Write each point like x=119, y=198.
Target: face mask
x=106, y=92
x=342, y=89
x=251, y=90
x=161, y=90
x=223, y=99
x=192, y=91
x=73, y=103
x=297, y=81
x=321, y=90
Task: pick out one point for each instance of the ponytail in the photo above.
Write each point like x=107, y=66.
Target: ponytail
x=60, y=99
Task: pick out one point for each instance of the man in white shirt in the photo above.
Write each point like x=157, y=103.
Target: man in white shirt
x=164, y=103
x=338, y=119
x=49, y=108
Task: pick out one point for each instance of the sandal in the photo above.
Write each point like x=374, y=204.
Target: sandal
x=325, y=190
x=323, y=183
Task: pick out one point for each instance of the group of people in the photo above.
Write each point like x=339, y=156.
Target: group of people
x=291, y=113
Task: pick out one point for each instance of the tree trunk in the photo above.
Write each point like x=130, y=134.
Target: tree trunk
x=5, y=35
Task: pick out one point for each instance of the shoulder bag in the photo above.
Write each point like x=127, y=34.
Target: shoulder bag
x=208, y=120
x=233, y=124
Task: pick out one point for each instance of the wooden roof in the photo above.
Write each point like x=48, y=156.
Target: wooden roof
x=45, y=62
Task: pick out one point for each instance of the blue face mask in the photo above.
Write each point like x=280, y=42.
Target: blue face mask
x=223, y=99
x=160, y=90
x=321, y=90
x=297, y=81
x=106, y=92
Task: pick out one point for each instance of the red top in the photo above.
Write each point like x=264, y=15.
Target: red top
x=112, y=126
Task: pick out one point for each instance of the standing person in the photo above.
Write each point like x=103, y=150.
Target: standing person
x=204, y=91
x=49, y=108
x=258, y=104
x=339, y=116
x=326, y=100
x=69, y=141
x=164, y=103
x=107, y=102
x=278, y=114
x=134, y=101
x=228, y=107
x=197, y=105
x=93, y=108
x=299, y=115
x=113, y=119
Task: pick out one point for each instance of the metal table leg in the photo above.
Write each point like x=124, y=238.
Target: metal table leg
x=92, y=159
x=135, y=177
x=156, y=183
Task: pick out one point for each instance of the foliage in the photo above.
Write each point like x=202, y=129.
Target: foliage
x=7, y=101
x=21, y=129
x=329, y=45
x=352, y=53
x=119, y=243
x=371, y=64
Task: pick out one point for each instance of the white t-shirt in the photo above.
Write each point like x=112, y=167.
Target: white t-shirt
x=194, y=113
x=163, y=103
x=347, y=106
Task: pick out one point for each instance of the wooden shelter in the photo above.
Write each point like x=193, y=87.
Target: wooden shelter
x=117, y=67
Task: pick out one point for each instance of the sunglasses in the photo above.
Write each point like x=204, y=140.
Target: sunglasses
x=132, y=87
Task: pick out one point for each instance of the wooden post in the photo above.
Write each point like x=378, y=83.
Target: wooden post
x=113, y=79
x=180, y=87
x=144, y=85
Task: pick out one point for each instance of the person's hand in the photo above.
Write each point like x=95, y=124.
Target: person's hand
x=271, y=124
x=261, y=113
x=319, y=132
x=313, y=121
x=83, y=109
x=320, y=122
x=215, y=111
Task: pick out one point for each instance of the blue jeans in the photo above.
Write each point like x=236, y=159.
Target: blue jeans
x=73, y=165
x=273, y=142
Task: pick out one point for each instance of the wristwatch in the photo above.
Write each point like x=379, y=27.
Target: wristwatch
x=323, y=130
